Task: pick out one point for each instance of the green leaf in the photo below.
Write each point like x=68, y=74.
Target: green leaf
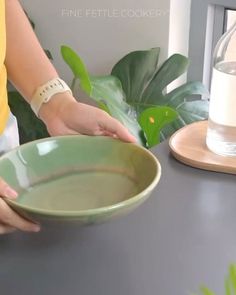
x=227, y=286
x=78, y=68
x=232, y=277
x=136, y=73
x=30, y=127
x=206, y=291
x=142, y=80
x=152, y=120
x=178, y=95
x=106, y=91
x=171, y=69
x=189, y=112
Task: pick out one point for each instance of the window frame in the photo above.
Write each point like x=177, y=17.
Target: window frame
x=207, y=23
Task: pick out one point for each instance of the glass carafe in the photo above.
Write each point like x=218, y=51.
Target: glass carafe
x=221, y=132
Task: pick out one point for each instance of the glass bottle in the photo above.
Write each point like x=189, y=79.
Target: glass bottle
x=221, y=132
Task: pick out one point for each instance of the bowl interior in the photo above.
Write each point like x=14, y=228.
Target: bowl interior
x=78, y=173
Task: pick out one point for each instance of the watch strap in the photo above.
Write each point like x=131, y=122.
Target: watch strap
x=45, y=92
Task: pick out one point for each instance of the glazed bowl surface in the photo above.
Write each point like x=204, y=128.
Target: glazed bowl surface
x=86, y=179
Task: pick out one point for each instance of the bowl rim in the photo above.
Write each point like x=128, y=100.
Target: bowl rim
x=94, y=211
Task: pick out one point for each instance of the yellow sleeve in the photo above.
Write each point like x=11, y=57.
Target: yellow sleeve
x=4, y=108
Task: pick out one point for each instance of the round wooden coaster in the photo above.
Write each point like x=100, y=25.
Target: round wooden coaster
x=188, y=145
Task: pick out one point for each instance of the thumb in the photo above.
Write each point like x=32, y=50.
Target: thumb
x=6, y=190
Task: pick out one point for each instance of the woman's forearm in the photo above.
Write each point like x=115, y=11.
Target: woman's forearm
x=27, y=65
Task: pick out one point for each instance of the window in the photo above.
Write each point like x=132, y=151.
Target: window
x=230, y=18
x=209, y=19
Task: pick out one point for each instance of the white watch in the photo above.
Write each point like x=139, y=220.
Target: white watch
x=45, y=92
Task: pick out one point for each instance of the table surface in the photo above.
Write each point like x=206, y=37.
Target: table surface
x=184, y=235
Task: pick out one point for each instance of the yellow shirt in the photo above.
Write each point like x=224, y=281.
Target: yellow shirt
x=4, y=108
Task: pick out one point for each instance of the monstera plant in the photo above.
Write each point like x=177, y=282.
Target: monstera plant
x=136, y=93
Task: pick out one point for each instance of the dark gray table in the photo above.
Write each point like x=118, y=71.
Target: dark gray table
x=183, y=236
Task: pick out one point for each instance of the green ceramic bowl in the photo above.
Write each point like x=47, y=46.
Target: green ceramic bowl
x=81, y=178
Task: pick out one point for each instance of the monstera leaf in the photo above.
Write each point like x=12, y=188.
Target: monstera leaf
x=152, y=120
x=106, y=91
x=145, y=85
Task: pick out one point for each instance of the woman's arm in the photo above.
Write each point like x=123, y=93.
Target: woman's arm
x=28, y=68
x=27, y=65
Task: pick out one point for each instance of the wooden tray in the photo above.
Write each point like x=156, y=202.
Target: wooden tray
x=188, y=146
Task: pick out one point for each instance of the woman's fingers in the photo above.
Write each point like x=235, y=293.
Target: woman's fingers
x=6, y=190
x=114, y=128
x=11, y=218
x=6, y=229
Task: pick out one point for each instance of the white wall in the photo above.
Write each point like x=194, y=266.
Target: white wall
x=179, y=26
x=101, y=31
x=179, y=31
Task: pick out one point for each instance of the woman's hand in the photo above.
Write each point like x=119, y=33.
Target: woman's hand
x=9, y=219
x=64, y=115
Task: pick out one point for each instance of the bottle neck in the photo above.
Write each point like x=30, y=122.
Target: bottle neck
x=232, y=28
x=225, y=49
